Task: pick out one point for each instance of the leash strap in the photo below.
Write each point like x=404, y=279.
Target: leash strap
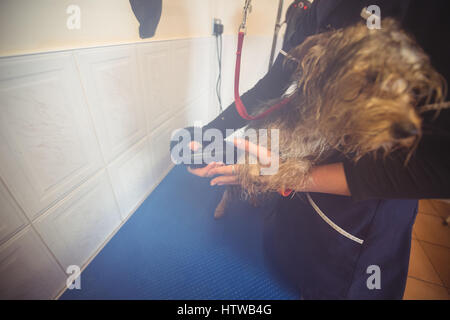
x=285, y=192
x=239, y=104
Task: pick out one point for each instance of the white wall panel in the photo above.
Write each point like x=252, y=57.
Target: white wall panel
x=157, y=76
x=131, y=176
x=228, y=66
x=47, y=143
x=174, y=74
x=11, y=217
x=80, y=223
x=27, y=269
x=196, y=112
x=201, y=68
x=159, y=142
x=111, y=81
x=191, y=65
x=255, y=60
x=254, y=64
x=182, y=63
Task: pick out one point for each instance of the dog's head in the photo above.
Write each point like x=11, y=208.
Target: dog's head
x=362, y=88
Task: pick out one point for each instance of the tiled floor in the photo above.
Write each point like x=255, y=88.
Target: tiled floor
x=429, y=269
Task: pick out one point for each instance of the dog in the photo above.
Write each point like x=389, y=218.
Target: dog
x=357, y=92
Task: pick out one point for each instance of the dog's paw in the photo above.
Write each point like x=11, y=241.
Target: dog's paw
x=220, y=211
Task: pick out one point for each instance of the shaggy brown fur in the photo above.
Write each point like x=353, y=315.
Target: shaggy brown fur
x=357, y=92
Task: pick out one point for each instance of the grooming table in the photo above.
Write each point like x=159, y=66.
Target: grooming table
x=172, y=248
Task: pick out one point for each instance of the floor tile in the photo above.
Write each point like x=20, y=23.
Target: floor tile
x=421, y=290
x=420, y=266
x=430, y=228
x=427, y=207
x=440, y=259
x=434, y=207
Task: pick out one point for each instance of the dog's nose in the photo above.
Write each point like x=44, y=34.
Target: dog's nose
x=404, y=130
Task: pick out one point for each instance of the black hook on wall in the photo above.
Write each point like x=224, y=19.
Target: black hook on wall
x=148, y=13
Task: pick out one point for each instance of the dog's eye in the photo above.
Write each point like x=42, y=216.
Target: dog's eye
x=346, y=139
x=371, y=76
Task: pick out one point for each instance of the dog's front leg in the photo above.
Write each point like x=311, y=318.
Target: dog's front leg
x=291, y=174
x=222, y=206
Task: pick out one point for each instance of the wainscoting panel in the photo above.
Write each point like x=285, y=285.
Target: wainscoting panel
x=157, y=76
x=27, y=269
x=191, y=65
x=132, y=177
x=47, y=142
x=79, y=224
x=111, y=81
x=11, y=217
x=159, y=149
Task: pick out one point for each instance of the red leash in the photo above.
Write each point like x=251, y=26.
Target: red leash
x=239, y=105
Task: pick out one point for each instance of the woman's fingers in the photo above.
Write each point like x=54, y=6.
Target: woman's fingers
x=194, y=145
x=203, y=172
x=222, y=170
x=262, y=153
x=222, y=180
x=226, y=175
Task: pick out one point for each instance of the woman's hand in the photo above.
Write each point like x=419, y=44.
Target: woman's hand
x=201, y=172
x=227, y=174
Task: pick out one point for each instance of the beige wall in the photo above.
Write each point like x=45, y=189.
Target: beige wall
x=261, y=20
x=29, y=26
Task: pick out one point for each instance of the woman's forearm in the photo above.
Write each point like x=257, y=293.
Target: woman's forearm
x=328, y=178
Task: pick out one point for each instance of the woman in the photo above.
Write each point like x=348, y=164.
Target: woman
x=351, y=239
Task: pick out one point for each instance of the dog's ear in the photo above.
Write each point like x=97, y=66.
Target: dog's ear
x=310, y=49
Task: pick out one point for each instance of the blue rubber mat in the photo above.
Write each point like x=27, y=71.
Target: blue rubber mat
x=172, y=248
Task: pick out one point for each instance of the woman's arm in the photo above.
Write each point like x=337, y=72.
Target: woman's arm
x=328, y=178
x=271, y=86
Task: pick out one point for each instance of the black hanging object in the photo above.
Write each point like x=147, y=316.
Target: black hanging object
x=148, y=13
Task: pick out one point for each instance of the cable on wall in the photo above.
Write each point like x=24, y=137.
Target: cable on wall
x=217, y=31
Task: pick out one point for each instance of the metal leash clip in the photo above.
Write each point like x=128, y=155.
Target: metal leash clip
x=247, y=10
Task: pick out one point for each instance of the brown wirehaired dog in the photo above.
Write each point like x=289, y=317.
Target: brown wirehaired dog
x=357, y=91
